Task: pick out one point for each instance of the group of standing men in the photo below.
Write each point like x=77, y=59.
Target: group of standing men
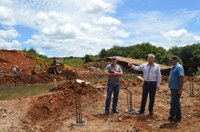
x=152, y=80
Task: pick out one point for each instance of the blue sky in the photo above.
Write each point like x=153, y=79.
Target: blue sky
x=161, y=5
x=76, y=28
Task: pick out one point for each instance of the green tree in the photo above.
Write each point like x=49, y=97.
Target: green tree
x=102, y=53
x=32, y=51
x=87, y=58
x=188, y=54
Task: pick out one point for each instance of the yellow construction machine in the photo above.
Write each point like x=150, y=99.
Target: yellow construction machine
x=56, y=67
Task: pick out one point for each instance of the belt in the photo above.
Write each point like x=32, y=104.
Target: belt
x=150, y=81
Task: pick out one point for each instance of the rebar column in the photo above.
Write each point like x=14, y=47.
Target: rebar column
x=79, y=120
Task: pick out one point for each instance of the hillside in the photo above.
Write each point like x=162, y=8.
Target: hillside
x=10, y=58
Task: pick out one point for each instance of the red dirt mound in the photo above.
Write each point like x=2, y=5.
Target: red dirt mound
x=50, y=110
x=10, y=58
x=98, y=63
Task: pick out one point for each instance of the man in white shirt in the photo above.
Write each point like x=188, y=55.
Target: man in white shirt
x=14, y=71
x=152, y=80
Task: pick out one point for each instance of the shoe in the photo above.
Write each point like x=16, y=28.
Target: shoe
x=177, y=119
x=106, y=113
x=150, y=114
x=171, y=119
x=140, y=113
x=115, y=112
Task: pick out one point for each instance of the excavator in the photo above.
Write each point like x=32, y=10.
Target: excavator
x=55, y=68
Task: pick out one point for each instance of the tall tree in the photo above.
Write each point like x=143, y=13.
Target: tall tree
x=102, y=53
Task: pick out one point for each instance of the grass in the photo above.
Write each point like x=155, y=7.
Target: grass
x=74, y=62
x=94, y=58
x=78, y=61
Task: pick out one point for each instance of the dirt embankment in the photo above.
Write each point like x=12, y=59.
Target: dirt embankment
x=11, y=58
x=47, y=112
x=38, y=78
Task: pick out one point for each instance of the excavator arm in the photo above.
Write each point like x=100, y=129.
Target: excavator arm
x=39, y=61
x=65, y=66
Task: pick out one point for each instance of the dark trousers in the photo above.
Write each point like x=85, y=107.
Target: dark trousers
x=175, y=110
x=112, y=88
x=148, y=88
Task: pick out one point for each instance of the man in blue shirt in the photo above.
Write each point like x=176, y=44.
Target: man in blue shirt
x=176, y=87
x=113, y=71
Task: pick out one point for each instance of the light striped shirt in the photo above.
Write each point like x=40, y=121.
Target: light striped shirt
x=150, y=72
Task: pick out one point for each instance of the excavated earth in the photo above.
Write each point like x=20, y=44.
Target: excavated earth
x=55, y=110
x=11, y=58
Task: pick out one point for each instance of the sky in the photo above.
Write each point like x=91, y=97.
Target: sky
x=79, y=27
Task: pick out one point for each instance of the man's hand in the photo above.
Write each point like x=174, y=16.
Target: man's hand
x=130, y=64
x=117, y=74
x=180, y=91
x=158, y=88
x=181, y=81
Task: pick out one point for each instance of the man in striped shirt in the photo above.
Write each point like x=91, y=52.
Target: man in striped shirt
x=152, y=80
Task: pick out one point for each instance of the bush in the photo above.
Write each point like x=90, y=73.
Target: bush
x=33, y=53
x=102, y=53
x=87, y=58
x=198, y=71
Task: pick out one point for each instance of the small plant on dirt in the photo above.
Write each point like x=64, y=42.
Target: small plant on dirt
x=198, y=71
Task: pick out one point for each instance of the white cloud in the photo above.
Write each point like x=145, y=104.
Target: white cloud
x=86, y=27
x=104, y=20
x=151, y=22
x=6, y=16
x=165, y=30
x=74, y=32
x=189, y=14
x=119, y=33
x=40, y=51
x=67, y=31
x=197, y=38
x=98, y=6
x=45, y=19
x=175, y=34
x=9, y=33
x=181, y=36
x=122, y=34
x=14, y=44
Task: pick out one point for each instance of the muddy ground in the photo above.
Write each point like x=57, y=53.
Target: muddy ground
x=55, y=111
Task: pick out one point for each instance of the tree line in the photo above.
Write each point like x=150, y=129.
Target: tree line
x=189, y=55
